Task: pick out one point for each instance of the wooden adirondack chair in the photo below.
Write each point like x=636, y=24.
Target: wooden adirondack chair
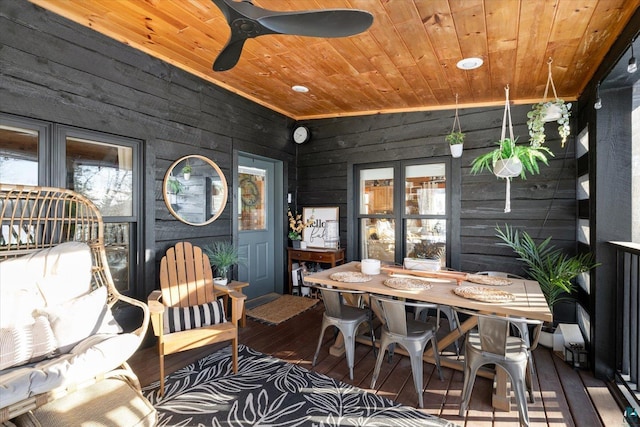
x=183, y=304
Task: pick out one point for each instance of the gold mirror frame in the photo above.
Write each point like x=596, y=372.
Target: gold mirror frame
x=183, y=194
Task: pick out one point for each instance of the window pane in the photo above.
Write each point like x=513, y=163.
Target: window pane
x=103, y=173
x=252, y=196
x=376, y=188
x=116, y=240
x=379, y=240
x=18, y=156
x=425, y=189
x=426, y=238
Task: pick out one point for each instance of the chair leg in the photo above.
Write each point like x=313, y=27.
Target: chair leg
x=161, y=373
x=315, y=356
x=518, y=375
x=376, y=370
x=436, y=355
x=234, y=354
x=417, y=368
x=469, y=380
x=349, y=348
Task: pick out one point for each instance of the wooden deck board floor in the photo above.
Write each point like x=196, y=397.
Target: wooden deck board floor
x=564, y=396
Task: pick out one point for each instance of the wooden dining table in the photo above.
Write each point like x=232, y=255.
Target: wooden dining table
x=529, y=303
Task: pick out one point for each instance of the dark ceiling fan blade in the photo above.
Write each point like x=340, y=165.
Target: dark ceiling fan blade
x=230, y=55
x=319, y=23
x=247, y=21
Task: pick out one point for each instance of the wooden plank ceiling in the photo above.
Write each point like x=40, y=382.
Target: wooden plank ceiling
x=406, y=61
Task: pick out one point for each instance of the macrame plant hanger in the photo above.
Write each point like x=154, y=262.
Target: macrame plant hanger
x=509, y=174
x=456, y=119
x=549, y=81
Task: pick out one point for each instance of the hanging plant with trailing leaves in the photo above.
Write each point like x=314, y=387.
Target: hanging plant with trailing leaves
x=555, y=110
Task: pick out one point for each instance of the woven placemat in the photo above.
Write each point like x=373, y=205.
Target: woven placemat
x=407, y=283
x=483, y=294
x=281, y=309
x=482, y=279
x=350, y=277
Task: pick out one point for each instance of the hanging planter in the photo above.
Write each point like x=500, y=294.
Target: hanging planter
x=510, y=160
x=455, y=138
x=543, y=112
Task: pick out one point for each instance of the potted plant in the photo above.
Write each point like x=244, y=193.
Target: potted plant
x=548, y=111
x=553, y=269
x=510, y=159
x=222, y=255
x=186, y=171
x=296, y=225
x=174, y=187
x=455, y=139
x=425, y=256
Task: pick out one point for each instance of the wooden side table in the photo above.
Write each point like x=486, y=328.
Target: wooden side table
x=327, y=256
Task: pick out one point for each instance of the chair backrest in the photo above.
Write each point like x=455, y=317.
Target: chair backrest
x=34, y=218
x=394, y=312
x=493, y=330
x=333, y=299
x=499, y=274
x=186, y=278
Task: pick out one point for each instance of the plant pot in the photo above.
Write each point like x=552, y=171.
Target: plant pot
x=297, y=244
x=552, y=113
x=507, y=168
x=422, y=264
x=222, y=281
x=456, y=150
x=187, y=176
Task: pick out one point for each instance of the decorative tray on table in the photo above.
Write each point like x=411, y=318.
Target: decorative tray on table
x=350, y=277
x=483, y=294
x=407, y=283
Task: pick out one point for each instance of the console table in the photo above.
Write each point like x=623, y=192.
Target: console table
x=327, y=256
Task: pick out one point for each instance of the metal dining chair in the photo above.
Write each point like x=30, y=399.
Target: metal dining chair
x=346, y=318
x=491, y=343
x=448, y=313
x=413, y=335
x=522, y=327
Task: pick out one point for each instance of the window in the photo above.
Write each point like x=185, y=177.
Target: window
x=100, y=166
x=402, y=199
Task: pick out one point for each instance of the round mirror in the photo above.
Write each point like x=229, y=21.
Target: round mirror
x=195, y=190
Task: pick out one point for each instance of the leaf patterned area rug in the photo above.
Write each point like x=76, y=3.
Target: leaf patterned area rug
x=267, y=391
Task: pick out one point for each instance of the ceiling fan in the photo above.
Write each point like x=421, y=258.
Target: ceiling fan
x=248, y=21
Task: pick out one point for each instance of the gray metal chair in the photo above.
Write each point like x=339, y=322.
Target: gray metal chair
x=411, y=334
x=492, y=343
x=522, y=327
x=448, y=313
x=347, y=318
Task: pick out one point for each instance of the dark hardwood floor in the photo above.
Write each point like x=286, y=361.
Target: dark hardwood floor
x=564, y=396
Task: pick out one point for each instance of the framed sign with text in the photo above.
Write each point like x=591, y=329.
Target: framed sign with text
x=315, y=234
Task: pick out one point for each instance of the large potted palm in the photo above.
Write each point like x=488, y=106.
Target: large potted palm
x=553, y=269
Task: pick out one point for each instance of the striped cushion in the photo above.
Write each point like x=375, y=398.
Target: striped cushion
x=27, y=343
x=182, y=318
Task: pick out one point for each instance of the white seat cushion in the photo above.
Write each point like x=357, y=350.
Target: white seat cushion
x=96, y=355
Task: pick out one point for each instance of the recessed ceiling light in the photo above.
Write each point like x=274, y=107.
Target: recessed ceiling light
x=469, y=63
x=300, y=88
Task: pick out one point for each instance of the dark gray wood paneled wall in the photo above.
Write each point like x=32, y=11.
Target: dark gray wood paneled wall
x=543, y=205
x=58, y=71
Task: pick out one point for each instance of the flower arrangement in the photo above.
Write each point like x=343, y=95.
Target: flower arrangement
x=296, y=225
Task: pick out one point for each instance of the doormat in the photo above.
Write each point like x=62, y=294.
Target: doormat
x=281, y=309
